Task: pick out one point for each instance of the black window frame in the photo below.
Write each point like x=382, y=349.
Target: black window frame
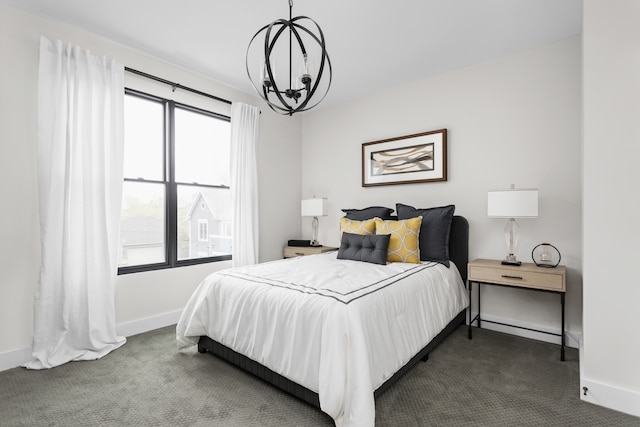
x=171, y=187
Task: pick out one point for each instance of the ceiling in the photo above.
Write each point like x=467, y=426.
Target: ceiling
x=373, y=44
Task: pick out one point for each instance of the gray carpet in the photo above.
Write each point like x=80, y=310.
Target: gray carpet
x=492, y=380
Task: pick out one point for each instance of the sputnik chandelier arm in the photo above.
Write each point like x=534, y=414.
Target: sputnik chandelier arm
x=297, y=96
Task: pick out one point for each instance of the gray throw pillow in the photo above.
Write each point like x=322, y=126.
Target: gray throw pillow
x=366, y=248
x=368, y=213
x=434, y=230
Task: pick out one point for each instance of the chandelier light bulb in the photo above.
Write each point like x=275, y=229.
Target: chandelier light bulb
x=307, y=70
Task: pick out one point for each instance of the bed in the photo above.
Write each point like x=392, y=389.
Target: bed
x=321, y=328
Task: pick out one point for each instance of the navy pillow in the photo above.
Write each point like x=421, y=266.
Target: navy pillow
x=368, y=213
x=434, y=230
x=367, y=248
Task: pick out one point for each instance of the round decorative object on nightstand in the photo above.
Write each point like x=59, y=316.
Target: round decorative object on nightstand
x=546, y=255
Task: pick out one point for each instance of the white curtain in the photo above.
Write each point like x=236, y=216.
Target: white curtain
x=80, y=161
x=244, y=183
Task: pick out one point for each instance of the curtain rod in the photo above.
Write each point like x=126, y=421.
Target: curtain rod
x=176, y=85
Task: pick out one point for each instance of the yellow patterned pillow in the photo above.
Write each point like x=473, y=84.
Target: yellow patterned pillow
x=404, y=244
x=357, y=227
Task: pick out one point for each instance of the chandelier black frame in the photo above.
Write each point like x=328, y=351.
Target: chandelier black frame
x=291, y=100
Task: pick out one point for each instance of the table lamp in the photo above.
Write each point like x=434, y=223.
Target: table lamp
x=315, y=208
x=512, y=203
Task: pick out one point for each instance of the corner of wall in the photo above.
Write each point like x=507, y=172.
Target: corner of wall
x=606, y=395
x=14, y=358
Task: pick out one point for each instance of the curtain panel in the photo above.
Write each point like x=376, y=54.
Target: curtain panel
x=80, y=163
x=244, y=183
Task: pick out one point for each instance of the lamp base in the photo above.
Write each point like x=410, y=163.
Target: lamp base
x=511, y=260
x=314, y=224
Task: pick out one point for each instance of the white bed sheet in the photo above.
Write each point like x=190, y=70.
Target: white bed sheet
x=337, y=327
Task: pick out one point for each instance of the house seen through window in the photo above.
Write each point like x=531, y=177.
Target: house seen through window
x=176, y=196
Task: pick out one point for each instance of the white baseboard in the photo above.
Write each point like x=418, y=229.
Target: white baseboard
x=14, y=358
x=612, y=397
x=148, y=324
x=571, y=338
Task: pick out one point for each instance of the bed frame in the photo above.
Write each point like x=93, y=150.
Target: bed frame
x=458, y=253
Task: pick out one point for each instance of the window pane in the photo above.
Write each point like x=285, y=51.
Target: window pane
x=143, y=138
x=142, y=220
x=204, y=222
x=202, y=148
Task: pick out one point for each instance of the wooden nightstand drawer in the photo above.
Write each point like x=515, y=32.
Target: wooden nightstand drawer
x=527, y=275
x=294, y=251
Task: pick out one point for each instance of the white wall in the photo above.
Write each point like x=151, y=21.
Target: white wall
x=513, y=120
x=611, y=350
x=158, y=295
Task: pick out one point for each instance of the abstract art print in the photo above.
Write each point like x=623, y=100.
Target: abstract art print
x=420, y=157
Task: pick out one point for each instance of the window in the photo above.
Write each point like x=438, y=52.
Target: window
x=203, y=230
x=176, y=195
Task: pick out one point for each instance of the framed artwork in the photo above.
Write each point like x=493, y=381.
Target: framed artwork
x=421, y=157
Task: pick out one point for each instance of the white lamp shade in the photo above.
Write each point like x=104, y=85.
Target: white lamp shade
x=314, y=207
x=512, y=203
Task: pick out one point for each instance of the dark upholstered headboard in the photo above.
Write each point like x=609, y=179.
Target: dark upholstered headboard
x=459, y=244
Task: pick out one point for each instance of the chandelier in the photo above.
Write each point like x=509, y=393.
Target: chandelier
x=292, y=91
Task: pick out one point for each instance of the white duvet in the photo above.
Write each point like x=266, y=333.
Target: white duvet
x=339, y=328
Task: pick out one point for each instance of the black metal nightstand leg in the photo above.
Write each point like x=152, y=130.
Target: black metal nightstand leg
x=470, y=312
x=477, y=316
x=479, y=306
x=562, y=329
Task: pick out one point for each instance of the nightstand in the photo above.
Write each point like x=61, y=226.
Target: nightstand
x=294, y=251
x=527, y=276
